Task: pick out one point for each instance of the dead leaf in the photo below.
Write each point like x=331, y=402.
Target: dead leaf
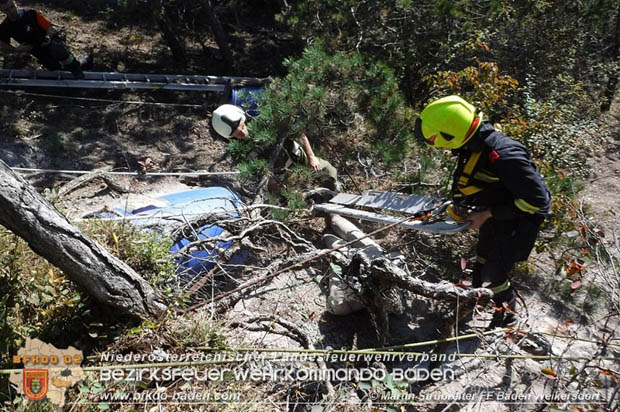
x=509, y=334
x=549, y=373
x=609, y=373
x=464, y=284
x=507, y=308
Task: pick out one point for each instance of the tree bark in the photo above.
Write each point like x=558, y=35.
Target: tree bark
x=612, y=82
x=158, y=8
x=85, y=262
x=440, y=291
x=220, y=36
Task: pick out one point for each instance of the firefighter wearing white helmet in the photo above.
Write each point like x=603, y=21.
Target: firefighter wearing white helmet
x=229, y=121
x=497, y=182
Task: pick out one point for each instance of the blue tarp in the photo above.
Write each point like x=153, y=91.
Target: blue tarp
x=178, y=207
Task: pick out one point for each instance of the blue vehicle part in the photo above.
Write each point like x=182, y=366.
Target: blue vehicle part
x=248, y=98
x=181, y=206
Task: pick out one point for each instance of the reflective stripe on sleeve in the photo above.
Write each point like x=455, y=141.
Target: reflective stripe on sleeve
x=469, y=190
x=526, y=207
x=486, y=177
x=500, y=288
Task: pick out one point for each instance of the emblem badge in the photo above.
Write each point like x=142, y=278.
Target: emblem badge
x=35, y=383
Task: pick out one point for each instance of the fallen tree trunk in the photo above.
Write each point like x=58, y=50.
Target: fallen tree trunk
x=376, y=279
x=86, y=179
x=383, y=268
x=85, y=262
x=349, y=232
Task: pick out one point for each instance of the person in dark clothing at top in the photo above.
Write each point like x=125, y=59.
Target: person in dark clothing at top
x=497, y=187
x=36, y=36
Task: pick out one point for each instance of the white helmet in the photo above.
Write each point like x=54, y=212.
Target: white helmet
x=227, y=118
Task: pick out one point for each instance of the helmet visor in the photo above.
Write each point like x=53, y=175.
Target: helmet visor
x=232, y=123
x=417, y=131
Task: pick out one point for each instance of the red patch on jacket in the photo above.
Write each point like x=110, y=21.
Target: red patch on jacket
x=493, y=156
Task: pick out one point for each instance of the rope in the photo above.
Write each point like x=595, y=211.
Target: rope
x=84, y=172
x=384, y=351
x=299, y=264
x=90, y=99
x=371, y=352
x=389, y=349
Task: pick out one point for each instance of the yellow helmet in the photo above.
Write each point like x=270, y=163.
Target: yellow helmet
x=448, y=122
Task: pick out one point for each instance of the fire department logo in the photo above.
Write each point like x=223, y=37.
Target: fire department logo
x=48, y=371
x=35, y=383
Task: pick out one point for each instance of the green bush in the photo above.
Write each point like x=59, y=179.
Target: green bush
x=147, y=252
x=572, y=40
x=38, y=301
x=344, y=104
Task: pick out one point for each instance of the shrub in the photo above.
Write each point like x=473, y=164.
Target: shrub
x=341, y=102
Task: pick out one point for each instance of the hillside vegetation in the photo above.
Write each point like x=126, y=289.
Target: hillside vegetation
x=352, y=75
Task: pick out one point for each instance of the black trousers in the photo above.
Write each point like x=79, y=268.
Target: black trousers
x=501, y=244
x=54, y=56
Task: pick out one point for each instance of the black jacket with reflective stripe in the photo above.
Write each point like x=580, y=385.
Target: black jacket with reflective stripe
x=503, y=178
x=25, y=30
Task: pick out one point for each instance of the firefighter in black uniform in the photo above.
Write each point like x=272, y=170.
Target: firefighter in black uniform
x=35, y=35
x=496, y=187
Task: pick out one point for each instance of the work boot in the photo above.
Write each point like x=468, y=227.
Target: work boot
x=76, y=69
x=504, y=317
x=86, y=61
x=501, y=319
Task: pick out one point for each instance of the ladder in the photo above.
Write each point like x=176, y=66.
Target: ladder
x=113, y=80
x=400, y=205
